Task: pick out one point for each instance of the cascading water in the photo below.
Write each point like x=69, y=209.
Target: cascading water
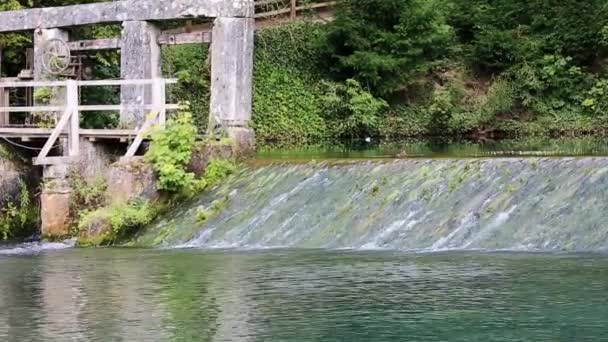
x=523, y=204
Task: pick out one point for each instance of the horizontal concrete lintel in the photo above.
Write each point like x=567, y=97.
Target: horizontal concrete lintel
x=119, y=11
x=164, y=39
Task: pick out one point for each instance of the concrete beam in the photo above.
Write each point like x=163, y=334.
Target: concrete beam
x=184, y=38
x=140, y=58
x=95, y=44
x=119, y=11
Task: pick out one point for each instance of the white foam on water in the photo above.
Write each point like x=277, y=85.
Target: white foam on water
x=500, y=220
x=36, y=247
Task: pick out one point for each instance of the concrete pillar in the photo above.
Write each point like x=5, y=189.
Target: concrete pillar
x=139, y=59
x=58, y=94
x=4, y=99
x=41, y=36
x=4, y=102
x=55, y=201
x=232, y=79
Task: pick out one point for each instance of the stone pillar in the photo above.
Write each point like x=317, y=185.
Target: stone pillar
x=139, y=59
x=55, y=201
x=232, y=79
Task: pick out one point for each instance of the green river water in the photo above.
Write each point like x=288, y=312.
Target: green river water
x=358, y=247
x=293, y=296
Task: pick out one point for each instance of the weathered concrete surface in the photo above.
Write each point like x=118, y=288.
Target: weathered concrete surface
x=205, y=152
x=232, y=76
x=55, y=215
x=11, y=173
x=41, y=37
x=139, y=59
x=57, y=94
x=243, y=140
x=118, y=11
x=130, y=179
x=95, y=159
x=95, y=233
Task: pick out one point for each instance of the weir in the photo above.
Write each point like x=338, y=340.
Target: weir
x=517, y=204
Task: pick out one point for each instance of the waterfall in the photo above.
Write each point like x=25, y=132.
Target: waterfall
x=520, y=204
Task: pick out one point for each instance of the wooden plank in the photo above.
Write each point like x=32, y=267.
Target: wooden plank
x=46, y=132
x=31, y=84
x=95, y=44
x=293, y=9
x=56, y=132
x=101, y=133
x=55, y=160
x=32, y=109
x=123, y=82
x=4, y=131
x=140, y=136
x=158, y=97
x=74, y=126
x=198, y=37
x=114, y=108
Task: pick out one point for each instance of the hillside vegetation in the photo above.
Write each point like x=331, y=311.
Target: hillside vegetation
x=391, y=69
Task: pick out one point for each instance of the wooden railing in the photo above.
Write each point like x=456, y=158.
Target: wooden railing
x=69, y=119
x=273, y=8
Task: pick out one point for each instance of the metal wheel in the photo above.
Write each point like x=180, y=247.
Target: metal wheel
x=56, y=56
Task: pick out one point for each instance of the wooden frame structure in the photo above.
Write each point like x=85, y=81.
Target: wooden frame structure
x=68, y=123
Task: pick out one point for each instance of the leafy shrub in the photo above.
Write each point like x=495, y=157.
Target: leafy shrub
x=20, y=218
x=552, y=85
x=170, y=152
x=123, y=220
x=596, y=99
x=190, y=65
x=351, y=111
x=217, y=170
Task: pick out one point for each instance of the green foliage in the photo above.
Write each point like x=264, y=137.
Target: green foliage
x=596, y=99
x=386, y=44
x=500, y=34
x=203, y=214
x=123, y=221
x=85, y=196
x=217, y=170
x=287, y=108
x=170, y=152
x=351, y=111
x=191, y=66
x=17, y=219
x=551, y=86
